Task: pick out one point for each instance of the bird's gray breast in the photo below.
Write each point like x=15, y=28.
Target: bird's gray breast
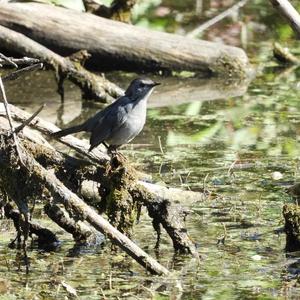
x=132, y=126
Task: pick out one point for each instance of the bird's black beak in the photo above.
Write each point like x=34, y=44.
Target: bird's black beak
x=155, y=84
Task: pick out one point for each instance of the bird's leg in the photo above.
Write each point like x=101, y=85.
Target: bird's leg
x=105, y=145
x=112, y=150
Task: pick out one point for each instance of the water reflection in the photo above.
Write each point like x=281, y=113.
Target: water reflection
x=226, y=140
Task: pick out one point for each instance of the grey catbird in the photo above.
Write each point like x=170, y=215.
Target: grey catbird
x=121, y=121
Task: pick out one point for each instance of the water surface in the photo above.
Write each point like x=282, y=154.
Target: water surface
x=238, y=142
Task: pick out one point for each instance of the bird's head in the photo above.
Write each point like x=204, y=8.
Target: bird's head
x=140, y=88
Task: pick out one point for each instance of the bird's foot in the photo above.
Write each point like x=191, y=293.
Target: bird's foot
x=112, y=151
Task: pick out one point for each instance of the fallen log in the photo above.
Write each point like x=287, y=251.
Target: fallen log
x=39, y=178
x=115, y=45
x=98, y=155
x=163, y=203
x=93, y=86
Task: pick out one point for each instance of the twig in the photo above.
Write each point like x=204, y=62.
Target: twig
x=6, y=59
x=8, y=114
x=18, y=73
x=230, y=170
x=216, y=19
x=18, y=61
x=26, y=122
x=222, y=239
x=160, y=145
x=284, y=55
x=285, y=8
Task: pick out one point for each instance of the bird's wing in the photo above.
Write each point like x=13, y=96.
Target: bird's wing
x=108, y=122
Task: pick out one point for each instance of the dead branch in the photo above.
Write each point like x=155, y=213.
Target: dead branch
x=45, y=237
x=18, y=61
x=97, y=156
x=44, y=178
x=286, y=9
x=93, y=86
x=8, y=115
x=16, y=74
x=82, y=233
x=160, y=200
x=196, y=32
x=6, y=60
x=116, y=45
x=27, y=122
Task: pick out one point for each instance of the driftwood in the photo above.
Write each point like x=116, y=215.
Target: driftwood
x=98, y=155
x=286, y=9
x=93, y=86
x=157, y=199
x=117, y=45
x=39, y=178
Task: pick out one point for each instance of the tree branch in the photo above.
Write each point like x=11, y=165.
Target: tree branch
x=285, y=8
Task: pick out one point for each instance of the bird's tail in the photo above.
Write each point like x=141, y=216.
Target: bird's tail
x=67, y=131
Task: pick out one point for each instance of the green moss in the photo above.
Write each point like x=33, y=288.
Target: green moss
x=229, y=67
x=121, y=209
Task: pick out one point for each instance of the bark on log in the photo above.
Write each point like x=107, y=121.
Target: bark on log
x=117, y=45
x=82, y=233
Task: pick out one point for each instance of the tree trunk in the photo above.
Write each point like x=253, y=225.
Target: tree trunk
x=117, y=45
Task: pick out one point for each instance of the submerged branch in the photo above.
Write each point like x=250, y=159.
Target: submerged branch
x=45, y=237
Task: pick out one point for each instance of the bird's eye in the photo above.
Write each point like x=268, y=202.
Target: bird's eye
x=142, y=85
